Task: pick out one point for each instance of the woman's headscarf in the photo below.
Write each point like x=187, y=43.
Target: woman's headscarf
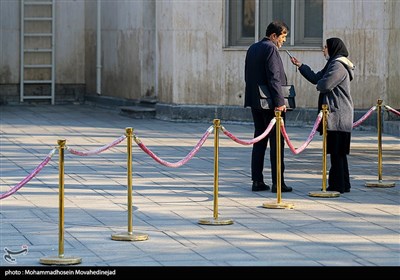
x=336, y=47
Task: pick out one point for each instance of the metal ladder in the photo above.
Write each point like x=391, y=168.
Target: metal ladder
x=37, y=65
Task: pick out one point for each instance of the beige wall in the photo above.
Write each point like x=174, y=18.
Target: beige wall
x=9, y=42
x=393, y=88
x=367, y=27
x=127, y=47
x=69, y=54
x=195, y=68
x=70, y=47
x=174, y=50
x=190, y=60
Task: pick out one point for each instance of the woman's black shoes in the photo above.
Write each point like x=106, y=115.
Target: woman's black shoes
x=330, y=189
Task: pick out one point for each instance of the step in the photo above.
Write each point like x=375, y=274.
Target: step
x=138, y=112
x=147, y=102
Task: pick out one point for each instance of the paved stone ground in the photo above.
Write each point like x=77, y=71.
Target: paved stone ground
x=357, y=229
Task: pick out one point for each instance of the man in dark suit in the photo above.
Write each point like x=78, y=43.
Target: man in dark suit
x=263, y=66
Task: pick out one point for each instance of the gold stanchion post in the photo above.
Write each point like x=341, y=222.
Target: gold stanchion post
x=130, y=235
x=380, y=183
x=279, y=204
x=60, y=259
x=324, y=192
x=216, y=220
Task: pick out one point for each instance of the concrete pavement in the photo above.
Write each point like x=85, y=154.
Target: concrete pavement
x=360, y=228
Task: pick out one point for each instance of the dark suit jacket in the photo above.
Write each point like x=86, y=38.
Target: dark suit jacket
x=263, y=66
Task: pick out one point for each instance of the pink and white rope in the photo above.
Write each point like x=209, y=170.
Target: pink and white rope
x=363, y=118
x=29, y=177
x=392, y=110
x=182, y=161
x=96, y=151
x=310, y=137
x=252, y=141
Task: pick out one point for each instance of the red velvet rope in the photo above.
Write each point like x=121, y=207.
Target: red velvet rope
x=363, y=118
x=254, y=140
x=29, y=177
x=182, y=161
x=392, y=110
x=97, y=151
x=310, y=137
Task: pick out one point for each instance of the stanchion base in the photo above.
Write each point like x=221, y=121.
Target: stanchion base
x=380, y=184
x=129, y=236
x=60, y=260
x=280, y=205
x=215, y=222
x=324, y=194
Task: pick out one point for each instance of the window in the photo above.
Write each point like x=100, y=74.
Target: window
x=245, y=19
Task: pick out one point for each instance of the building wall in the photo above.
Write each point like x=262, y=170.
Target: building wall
x=9, y=42
x=127, y=47
x=367, y=28
x=196, y=68
x=393, y=92
x=69, y=51
x=70, y=35
x=9, y=57
x=175, y=51
x=189, y=55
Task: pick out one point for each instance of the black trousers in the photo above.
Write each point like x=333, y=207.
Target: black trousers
x=338, y=146
x=261, y=119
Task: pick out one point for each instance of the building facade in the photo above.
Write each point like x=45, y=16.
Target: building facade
x=191, y=52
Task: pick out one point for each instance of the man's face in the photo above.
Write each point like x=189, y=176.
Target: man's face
x=279, y=40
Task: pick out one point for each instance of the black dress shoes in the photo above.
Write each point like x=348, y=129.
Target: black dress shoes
x=331, y=189
x=284, y=188
x=259, y=186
